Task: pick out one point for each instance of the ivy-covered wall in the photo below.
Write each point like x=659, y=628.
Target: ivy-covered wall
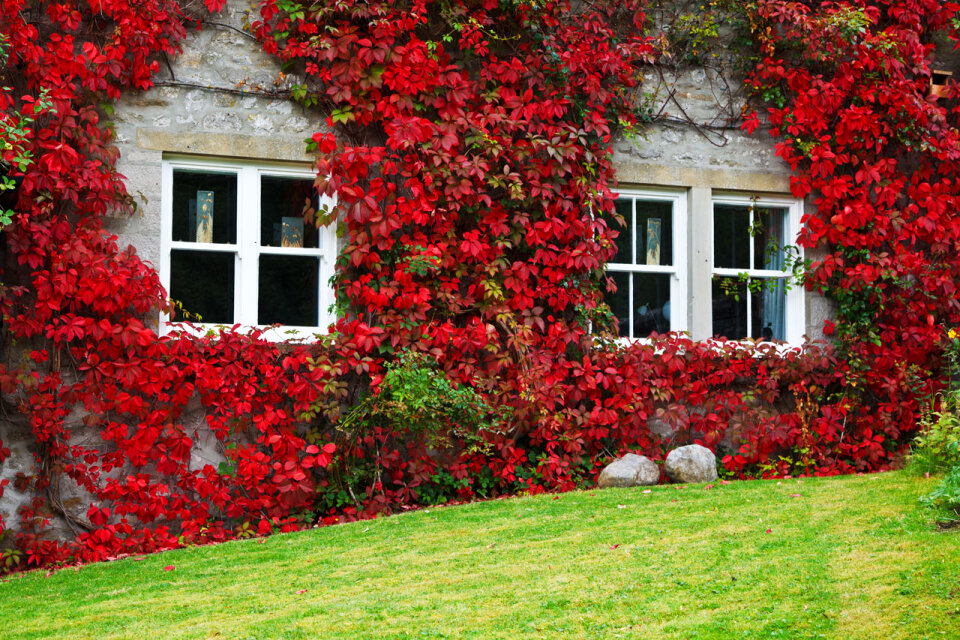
x=471, y=147
x=224, y=98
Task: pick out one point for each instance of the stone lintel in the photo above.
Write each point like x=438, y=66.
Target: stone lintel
x=655, y=175
x=229, y=145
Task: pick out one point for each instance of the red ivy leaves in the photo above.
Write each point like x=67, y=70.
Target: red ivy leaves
x=469, y=196
x=879, y=158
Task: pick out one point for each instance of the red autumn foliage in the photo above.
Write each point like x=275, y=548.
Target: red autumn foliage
x=480, y=151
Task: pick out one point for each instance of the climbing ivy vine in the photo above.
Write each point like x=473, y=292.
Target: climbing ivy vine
x=469, y=145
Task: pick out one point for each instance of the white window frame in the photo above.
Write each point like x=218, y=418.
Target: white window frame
x=679, y=301
x=794, y=309
x=247, y=250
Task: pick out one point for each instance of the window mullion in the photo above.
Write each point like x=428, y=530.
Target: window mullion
x=248, y=230
x=681, y=253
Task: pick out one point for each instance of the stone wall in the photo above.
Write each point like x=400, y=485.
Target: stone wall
x=222, y=97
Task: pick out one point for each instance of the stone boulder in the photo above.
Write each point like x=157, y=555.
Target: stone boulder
x=629, y=471
x=692, y=463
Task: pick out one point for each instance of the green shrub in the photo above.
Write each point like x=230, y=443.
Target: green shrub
x=417, y=399
x=937, y=448
x=418, y=416
x=946, y=497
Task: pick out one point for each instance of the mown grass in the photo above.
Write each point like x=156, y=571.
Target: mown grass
x=852, y=557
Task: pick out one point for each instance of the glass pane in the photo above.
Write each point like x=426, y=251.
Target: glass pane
x=768, y=238
x=288, y=290
x=205, y=207
x=624, y=239
x=654, y=232
x=731, y=236
x=651, y=303
x=768, y=310
x=619, y=302
x=729, y=308
x=202, y=281
x=282, y=203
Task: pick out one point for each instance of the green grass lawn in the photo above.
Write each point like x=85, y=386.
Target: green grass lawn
x=852, y=557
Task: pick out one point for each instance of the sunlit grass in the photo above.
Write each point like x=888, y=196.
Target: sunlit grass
x=852, y=557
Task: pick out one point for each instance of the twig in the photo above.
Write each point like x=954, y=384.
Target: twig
x=278, y=93
x=230, y=27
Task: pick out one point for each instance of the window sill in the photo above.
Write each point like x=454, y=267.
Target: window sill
x=268, y=333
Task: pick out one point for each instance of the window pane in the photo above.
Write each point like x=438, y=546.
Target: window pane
x=651, y=303
x=202, y=281
x=729, y=308
x=205, y=207
x=620, y=302
x=288, y=290
x=768, y=310
x=282, y=203
x=768, y=238
x=624, y=239
x=654, y=232
x=731, y=237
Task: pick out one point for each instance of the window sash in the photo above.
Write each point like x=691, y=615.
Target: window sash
x=794, y=319
x=248, y=249
x=677, y=270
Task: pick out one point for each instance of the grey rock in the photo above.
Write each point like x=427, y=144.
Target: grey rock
x=629, y=471
x=691, y=463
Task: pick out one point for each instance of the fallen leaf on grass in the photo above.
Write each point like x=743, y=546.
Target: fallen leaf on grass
x=621, y=506
x=556, y=497
x=614, y=546
x=301, y=591
x=169, y=567
x=708, y=487
x=769, y=530
x=794, y=495
x=646, y=490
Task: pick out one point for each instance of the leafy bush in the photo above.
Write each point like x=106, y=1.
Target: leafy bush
x=937, y=448
x=394, y=440
x=946, y=496
x=416, y=398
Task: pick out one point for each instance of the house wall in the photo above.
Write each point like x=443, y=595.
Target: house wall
x=224, y=98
